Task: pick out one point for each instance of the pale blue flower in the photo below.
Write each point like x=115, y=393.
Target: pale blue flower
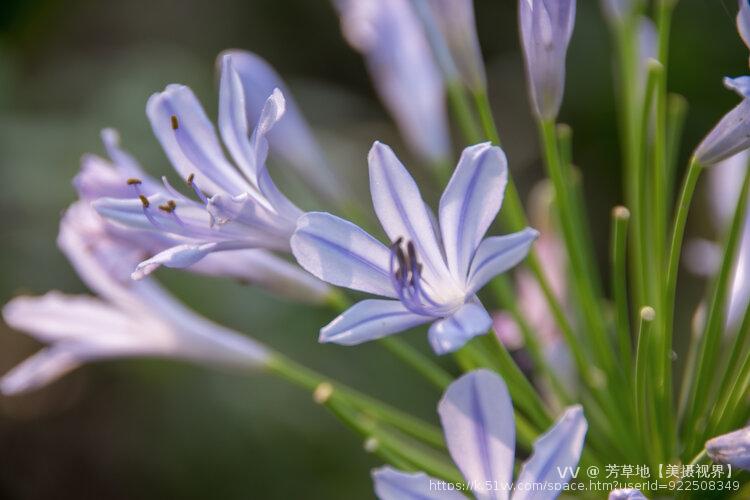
x=236, y=205
x=476, y=413
x=433, y=269
x=732, y=448
x=398, y=56
x=291, y=139
x=455, y=19
x=732, y=134
x=546, y=29
x=626, y=494
x=128, y=319
x=101, y=178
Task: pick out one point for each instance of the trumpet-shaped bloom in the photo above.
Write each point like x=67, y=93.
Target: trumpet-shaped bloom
x=455, y=18
x=732, y=448
x=477, y=418
x=433, y=268
x=732, y=134
x=546, y=28
x=291, y=138
x=401, y=64
x=100, y=178
x=236, y=205
x=127, y=319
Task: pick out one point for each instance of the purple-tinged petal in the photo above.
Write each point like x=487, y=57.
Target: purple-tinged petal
x=616, y=10
x=546, y=28
x=730, y=136
x=743, y=22
x=184, y=255
x=497, y=254
x=267, y=271
x=477, y=417
x=456, y=21
x=369, y=320
x=740, y=85
x=390, y=37
x=402, y=213
x=342, y=254
x=392, y=484
x=233, y=123
x=555, y=456
x=291, y=139
x=626, y=494
x=470, y=203
x=732, y=448
x=451, y=333
x=189, y=139
x=42, y=368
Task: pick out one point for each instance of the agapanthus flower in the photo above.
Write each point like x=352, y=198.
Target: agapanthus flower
x=128, y=318
x=432, y=269
x=399, y=59
x=235, y=205
x=546, y=29
x=732, y=134
x=626, y=494
x=732, y=448
x=291, y=139
x=455, y=19
x=476, y=413
x=101, y=178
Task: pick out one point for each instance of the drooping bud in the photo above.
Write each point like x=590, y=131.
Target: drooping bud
x=732, y=448
x=730, y=136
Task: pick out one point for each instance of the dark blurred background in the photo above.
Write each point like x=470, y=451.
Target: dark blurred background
x=150, y=429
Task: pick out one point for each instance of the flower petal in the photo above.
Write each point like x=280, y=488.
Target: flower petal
x=38, y=370
x=497, y=254
x=470, y=203
x=267, y=271
x=401, y=210
x=741, y=85
x=189, y=139
x=732, y=448
x=626, y=494
x=392, y=484
x=401, y=63
x=477, y=417
x=730, y=136
x=556, y=454
x=369, y=320
x=743, y=22
x=341, y=253
x=451, y=333
x=291, y=139
x=185, y=255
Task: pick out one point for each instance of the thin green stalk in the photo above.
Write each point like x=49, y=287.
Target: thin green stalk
x=643, y=391
x=582, y=279
x=618, y=257
x=675, y=249
x=418, y=361
x=462, y=111
x=485, y=116
x=306, y=378
x=700, y=397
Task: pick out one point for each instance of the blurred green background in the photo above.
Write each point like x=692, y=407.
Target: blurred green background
x=152, y=429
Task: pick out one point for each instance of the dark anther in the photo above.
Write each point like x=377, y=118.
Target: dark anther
x=175, y=123
x=133, y=181
x=190, y=179
x=412, y=253
x=144, y=200
x=168, y=207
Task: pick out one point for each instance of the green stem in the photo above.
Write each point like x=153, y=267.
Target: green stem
x=620, y=218
x=418, y=361
x=643, y=391
x=485, y=116
x=705, y=374
x=310, y=380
